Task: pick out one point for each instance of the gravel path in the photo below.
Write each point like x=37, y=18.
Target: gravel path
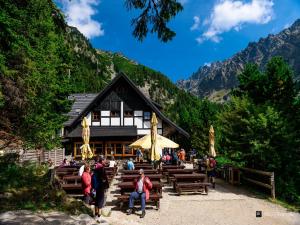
x=226, y=205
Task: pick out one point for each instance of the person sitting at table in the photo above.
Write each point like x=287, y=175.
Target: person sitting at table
x=64, y=163
x=112, y=161
x=130, y=165
x=168, y=158
x=142, y=187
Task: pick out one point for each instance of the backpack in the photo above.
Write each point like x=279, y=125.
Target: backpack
x=95, y=182
x=212, y=163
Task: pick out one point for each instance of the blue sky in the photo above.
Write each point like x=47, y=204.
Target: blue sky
x=207, y=30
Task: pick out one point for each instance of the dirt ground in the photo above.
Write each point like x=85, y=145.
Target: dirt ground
x=225, y=205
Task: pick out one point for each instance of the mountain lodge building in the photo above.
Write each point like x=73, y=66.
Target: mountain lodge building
x=118, y=115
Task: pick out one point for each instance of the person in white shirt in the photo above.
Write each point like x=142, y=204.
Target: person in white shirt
x=81, y=170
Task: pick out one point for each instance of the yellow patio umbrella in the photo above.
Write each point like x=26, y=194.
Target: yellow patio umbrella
x=145, y=142
x=86, y=151
x=212, y=150
x=156, y=150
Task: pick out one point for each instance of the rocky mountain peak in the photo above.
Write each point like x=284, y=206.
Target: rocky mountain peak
x=222, y=76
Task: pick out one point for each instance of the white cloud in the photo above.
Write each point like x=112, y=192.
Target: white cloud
x=287, y=25
x=208, y=64
x=79, y=14
x=233, y=14
x=196, y=23
x=183, y=2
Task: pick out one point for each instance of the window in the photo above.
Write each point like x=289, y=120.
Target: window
x=96, y=116
x=128, y=114
x=147, y=116
x=119, y=149
x=109, y=149
x=128, y=150
x=98, y=149
x=115, y=113
x=77, y=149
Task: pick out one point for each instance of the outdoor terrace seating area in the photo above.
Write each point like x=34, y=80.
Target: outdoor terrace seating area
x=70, y=180
x=180, y=179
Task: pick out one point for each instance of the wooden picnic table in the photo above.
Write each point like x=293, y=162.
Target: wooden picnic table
x=152, y=177
x=190, y=177
x=66, y=169
x=128, y=186
x=171, y=172
x=180, y=171
x=71, y=186
x=178, y=178
x=146, y=166
x=146, y=171
x=165, y=167
x=75, y=178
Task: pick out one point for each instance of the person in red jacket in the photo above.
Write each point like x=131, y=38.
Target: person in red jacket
x=86, y=184
x=142, y=187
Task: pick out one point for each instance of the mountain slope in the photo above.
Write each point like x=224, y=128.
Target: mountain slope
x=43, y=61
x=222, y=76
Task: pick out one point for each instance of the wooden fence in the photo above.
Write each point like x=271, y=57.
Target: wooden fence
x=261, y=178
x=56, y=155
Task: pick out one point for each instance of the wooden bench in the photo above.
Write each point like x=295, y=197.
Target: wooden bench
x=71, y=186
x=152, y=177
x=61, y=174
x=70, y=178
x=171, y=172
x=142, y=166
x=153, y=198
x=193, y=187
x=188, y=178
x=168, y=167
x=147, y=171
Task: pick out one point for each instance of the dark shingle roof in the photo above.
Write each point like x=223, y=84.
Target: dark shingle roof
x=81, y=101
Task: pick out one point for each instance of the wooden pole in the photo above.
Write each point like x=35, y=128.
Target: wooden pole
x=272, y=185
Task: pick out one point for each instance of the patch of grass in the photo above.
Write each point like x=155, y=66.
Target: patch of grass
x=290, y=207
x=264, y=195
x=28, y=187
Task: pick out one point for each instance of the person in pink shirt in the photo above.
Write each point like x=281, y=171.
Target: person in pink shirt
x=86, y=184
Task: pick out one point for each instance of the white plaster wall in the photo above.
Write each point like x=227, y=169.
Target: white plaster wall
x=89, y=118
x=115, y=121
x=143, y=131
x=159, y=125
x=95, y=123
x=147, y=124
x=138, y=122
x=104, y=121
x=138, y=113
x=105, y=113
x=122, y=113
x=128, y=121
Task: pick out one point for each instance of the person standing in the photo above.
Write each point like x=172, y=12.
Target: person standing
x=211, y=164
x=86, y=184
x=181, y=156
x=139, y=155
x=175, y=158
x=142, y=187
x=100, y=184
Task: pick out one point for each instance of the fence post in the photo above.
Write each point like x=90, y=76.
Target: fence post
x=272, y=186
